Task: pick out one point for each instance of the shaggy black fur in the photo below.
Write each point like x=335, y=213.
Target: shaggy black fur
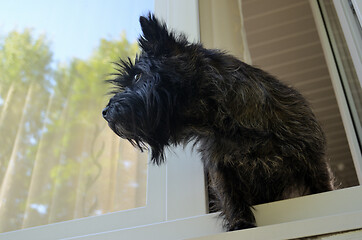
x=258, y=138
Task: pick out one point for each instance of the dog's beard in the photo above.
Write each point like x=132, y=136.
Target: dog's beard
x=142, y=117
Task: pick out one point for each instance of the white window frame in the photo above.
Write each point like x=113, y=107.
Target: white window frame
x=176, y=202
x=351, y=31
x=354, y=44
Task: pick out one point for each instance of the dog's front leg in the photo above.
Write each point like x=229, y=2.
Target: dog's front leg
x=232, y=198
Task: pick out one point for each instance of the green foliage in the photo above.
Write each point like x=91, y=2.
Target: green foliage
x=61, y=121
x=25, y=58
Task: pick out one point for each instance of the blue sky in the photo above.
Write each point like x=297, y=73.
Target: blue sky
x=74, y=27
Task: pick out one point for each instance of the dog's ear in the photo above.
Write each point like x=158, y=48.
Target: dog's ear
x=157, y=40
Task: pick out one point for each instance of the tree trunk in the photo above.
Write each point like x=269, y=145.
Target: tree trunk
x=8, y=180
x=7, y=100
x=39, y=168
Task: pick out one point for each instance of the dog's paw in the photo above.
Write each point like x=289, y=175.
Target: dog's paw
x=241, y=225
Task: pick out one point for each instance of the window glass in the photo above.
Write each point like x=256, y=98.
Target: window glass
x=285, y=42
x=281, y=38
x=351, y=83
x=58, y=158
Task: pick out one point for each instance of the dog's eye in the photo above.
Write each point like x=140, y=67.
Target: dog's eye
x=137, y=77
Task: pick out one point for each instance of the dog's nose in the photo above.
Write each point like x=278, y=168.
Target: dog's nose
x=104, y=112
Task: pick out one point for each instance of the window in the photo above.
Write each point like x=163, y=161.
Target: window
x=59, y=160
x=164, y=188
x=282, y=38
x=175, y=207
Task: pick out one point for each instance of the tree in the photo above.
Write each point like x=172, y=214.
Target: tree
x=65, y=158
x=25, y=66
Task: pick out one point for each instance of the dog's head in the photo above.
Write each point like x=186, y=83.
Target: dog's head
x=149, y=95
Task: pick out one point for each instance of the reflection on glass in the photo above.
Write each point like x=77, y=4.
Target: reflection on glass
x=350, y=81
x=58, y=158
x=282, y=39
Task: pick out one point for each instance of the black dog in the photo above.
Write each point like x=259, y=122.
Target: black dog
x=258, y=138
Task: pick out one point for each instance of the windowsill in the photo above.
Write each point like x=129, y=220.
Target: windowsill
x=297, y=229
x=312, y=215
x=209, y=223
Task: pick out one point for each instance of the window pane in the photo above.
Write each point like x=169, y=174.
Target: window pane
x=351, y=83
x=58, y=158
x=286, y=43
x=282, y=39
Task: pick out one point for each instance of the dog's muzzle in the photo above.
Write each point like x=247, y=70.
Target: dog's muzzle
x=105, y=112
x=107, y=115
